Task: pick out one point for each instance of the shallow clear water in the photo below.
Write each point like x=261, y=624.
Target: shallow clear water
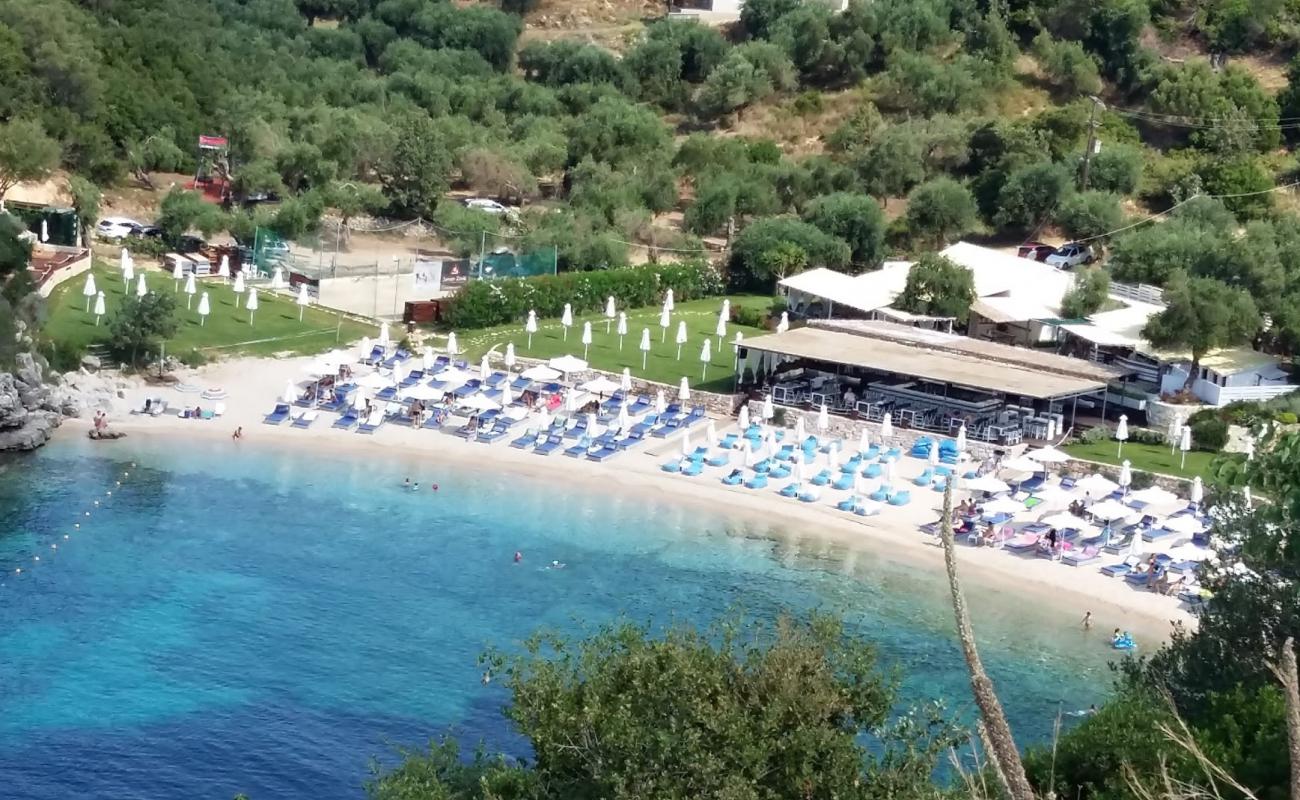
x=235, y=621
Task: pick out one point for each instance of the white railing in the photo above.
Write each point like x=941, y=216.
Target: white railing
x=1141, y=292
x=1217, y=395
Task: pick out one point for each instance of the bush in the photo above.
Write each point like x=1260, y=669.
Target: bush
x=1141, y=480
x=749, y=316
x=1094, y=435
x=63, y=356
x=481, y=304
x=194, y=358
x=1210, y=434
x=1287, y=418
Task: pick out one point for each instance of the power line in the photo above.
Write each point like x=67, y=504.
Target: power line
x=1226, y=123
x=516, y=237
x=1175, y=206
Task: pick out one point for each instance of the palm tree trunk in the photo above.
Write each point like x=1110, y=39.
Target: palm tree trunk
x=1287, y=675
x=1003, y=754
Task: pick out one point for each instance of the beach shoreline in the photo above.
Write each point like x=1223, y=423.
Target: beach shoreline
x=254, y=383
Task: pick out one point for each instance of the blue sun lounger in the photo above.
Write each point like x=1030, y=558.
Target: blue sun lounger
x=367, y=428
x=346, y=422
x=604, y=452
x=552, y=443
x=759, y=481
x=435, y=420
x=734, y=478
x=639, y=406
x=844, y=481
x=386, y=394
x=720, y=460
x=779, y=470
x=496, y=379
x=791, y=489
x=396, y=358
x=470, y=387
x=579, y=449
x=278, y=415
x=822, y=478
x=578, y=431
x=529, y=439
x=521, y=384
x=305, y=420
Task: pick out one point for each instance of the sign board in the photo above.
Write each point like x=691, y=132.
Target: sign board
x=427, y=277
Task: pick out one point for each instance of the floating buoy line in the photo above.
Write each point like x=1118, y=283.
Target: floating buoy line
x=27, y=567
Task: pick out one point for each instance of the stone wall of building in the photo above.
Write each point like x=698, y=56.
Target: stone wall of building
x=1160, y=415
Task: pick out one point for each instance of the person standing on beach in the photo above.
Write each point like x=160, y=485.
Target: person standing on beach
x=238, y=434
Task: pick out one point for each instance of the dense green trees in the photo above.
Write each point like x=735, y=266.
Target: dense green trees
x=1200, y=315
x=941, y=210
x=854, y=218
x=937, y=287
x=26, y=154
x=1088, y=294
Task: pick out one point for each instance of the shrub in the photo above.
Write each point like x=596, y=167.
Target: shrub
x=749, y=316
x=1141, y=480
x=194, y=358
x=63, y=356
x=1210, y=434
x=1287, y=418
x=1094, y=435
x=481, y=304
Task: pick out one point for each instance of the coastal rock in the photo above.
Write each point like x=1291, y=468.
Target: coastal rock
x=32, y=433
x=24, y=424
x=28, y=370
x=90, y=363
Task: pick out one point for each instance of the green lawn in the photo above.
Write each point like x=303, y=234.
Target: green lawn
x=701, y=317
x=1146, y=457
x=275, y=327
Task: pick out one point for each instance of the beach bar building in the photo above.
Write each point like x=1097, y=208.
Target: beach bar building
x=925, y=380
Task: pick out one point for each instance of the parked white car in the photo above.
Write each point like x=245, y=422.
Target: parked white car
x=115, y=229
x=1071, y=255
x=490, y=206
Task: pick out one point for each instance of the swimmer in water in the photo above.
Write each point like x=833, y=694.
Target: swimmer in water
x=1087, y=620
x=518, y=556
x=556, y=565
x=407, y=483
x=487, y=678
x=435, y=487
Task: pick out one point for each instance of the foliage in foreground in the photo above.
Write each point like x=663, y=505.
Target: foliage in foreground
x=798, y=710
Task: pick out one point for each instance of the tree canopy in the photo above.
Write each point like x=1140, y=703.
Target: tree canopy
x=938, y=287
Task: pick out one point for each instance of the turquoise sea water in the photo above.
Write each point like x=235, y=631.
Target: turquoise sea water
x=231, y=620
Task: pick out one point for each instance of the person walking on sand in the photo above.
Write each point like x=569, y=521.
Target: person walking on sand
x=238, y=434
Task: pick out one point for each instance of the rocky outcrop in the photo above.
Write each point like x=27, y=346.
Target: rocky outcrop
x=34, y=403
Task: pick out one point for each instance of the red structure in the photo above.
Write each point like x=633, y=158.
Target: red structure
x=212, y=176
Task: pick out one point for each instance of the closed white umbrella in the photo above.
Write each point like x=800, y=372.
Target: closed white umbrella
x=800, y=431
x=426, y=359
x=886, y=428
x=668, y=301
x=706, y=354
x=665, y=319
x=721, y=329
x=586, y=338
x=128, y=271
x=1135, y=546
x=784, y=324
x=530, y=327
x=191, y=289
x=277, y=279
x=178, y=273
x=45, y=231
x=1121, y=433
x=891, y=472
x=204, y=308
x=385, y=335
x=238, y=288
x=683, y=390
x=824, y=422
x=1198, y=490
x=359, y=399
x=800, y=474
x=687, y=449
x=510, y=355
x=621, y=329
x=507, y=397
x=726, y=308
x=711, y=434
x=89, y=290
x=566, y=319
x=661, y=403
x=1174, y=432
x=452, y=347
x=742, y=419
x=1125, y=474
x=123, y=258
x=645, y=346
x=735, y=346
x=251, y=305
x=223, y=268
x=768, y=410
x=624, y=421
x=99, y=307
x=290, y=393
x=961, y=438
x=141, y=288
x=610, y=312
x=681, y=338
x=484, y=369
x=1185, y=444
x=363, y=350
x=304, y=300
x=933, y=458
x=747, y=452
x=864, y=440
x=832, y=458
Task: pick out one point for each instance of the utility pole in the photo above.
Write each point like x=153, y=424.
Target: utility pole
x=1091, y=147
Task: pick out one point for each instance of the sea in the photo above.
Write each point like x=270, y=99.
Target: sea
x=185, y=619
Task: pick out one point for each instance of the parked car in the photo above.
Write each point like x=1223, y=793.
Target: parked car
x=147, y=232
x=490, y=206
x=1035, y=251
x=1071, y=255
x=115, y=229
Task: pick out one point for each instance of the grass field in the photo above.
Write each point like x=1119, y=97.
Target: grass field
x=1146, y=457
x=226, y=330
x=700, y=316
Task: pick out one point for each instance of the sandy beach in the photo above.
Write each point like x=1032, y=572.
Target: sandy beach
x=254, y=384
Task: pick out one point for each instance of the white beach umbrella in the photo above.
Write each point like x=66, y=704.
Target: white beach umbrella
x=832, y=458
x=1198, y=490
x=484, y=369
x=625, y=382
x=1064, y=519
x=668, y=301
x=507, y=396
x=665, y=319
x=683, y=390
x=89, y=290
x=742, y=418
x=891, y=472
x=735, y=346
x=800, y=431
x=359, y=398
x=191, y=289
x=530, y=327
x=687, y=449
x=128, y=271
x=886, y=428
x=961, y=438
x=1245, y=493
x=611, y=311
x=251, y=304
x=45, y=231
x=720, y=330
x=681, y=338
x=864, y=440
x=238, y=288
x=290, y=392
x=141, y=288
x=426, y=359
x=385, y=335
x=768, y=410
x=1135, y=546
x=824, y=421
x=1175, y=430
x=726, y=308
x=1121, y=433
x=277, y=279
x=706, y=355
x=933, y=458
x=1048, y=455
x=567, y=364
x=1097, y=485
x=986, y=483
x=784, y=324
x=566, y=319
x=600, y=385
x=624, y=421
x=99, y=307
x=510, y=356
x=645, y=346
x=747, y=452
x=800, y=472
x=123, y=258
x=1185, y=524
x=363, y=350
x=223, y=268
x=711, y=434
x=1018, y=464
x=1155, y=496
x=178, y=274
x=304, y=300
x=1185, y=444
x=452, y=347
x=540, y=372
x=586, y=338
x=1125, y=474
x=422, y=391
x=621, y=330
x=661, y=403
x=1109, y=510
x=1003, y=505
x=204, y=308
